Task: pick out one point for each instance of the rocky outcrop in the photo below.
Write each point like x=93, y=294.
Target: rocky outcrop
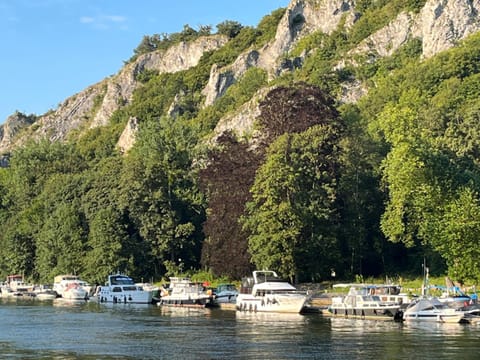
x=93, y=106
x=127, y=138
x=13, y=125
x=442, y=23
x=72, y=114
x=301, y=18
x=241, y=122
x=177, y=58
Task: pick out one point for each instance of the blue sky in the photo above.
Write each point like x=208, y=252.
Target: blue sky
x=52, y=49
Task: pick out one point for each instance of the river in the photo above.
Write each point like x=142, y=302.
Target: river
x=60, y=330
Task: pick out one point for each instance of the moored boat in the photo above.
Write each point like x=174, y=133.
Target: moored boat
x=431, y=309
x=15, y=286
x=45, y=292
x=71, y=287
x=266, y=292
x=452, y=294
x=185, y=293
x=226, y=294
x=362, y=302
x=75, y=291
x=121, y=288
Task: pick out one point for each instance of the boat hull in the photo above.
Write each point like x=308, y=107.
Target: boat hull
x=435, y=317
x=201, y=302
x=46, y=295
x=432, y=310
x=279, y=303
x=75, y=294
x=226, y=299
x=365, y=313
x=125, y=298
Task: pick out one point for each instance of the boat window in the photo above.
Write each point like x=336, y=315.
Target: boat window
x=129, y=288
x=121, y=280
x=117, y=289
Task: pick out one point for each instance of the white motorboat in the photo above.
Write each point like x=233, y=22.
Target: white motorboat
x=71, y=287
x=75, y=291
x=266, y=292
x=226, y=294
x=45, y=292
x=121, y=288
x=185, y=293
x=15, y=286
x=367, y=301
x=431, y=309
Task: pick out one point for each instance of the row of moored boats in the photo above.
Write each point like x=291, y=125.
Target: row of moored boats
x=264, y=291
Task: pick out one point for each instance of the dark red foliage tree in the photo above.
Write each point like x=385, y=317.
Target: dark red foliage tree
x=231, y=168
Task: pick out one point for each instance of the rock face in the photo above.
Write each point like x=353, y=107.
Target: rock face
x=301, y=18
x=94, y=106
x=440, y=24
x=127, y=139
x=12, y=126
x=177, y=58
x=241, y=122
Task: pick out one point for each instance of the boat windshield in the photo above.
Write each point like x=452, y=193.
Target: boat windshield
x=226, y=287
x=121, y=280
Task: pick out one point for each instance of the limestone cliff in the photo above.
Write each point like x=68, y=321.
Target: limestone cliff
x=439, y=25
x=177, y=58
x=93, y=106
x=13, y=125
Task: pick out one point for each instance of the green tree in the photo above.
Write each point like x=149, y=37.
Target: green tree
x=229, y=28
x=454, y=234
x=292, y=218
x=61, y=243
x=160, y=192
x=106, y=253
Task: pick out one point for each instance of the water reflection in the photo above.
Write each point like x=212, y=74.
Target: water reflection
x=435, y=328
x=184, y=311
x=59, y=302
x=130, y=331
x=269, y=318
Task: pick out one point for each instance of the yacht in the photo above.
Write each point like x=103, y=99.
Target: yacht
x=121, y=288
x=71, y=287
x=367, y=302
x=266, y=292
x=185, y=293
x=15, y=286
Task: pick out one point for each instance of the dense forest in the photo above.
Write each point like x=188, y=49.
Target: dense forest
x=370, y=188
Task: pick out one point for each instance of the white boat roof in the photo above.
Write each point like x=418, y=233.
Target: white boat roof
x=370, y=286
x=59, y=278
x=426, y=304
x=274, y=285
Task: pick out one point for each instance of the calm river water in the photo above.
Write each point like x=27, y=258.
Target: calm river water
x=59, y=330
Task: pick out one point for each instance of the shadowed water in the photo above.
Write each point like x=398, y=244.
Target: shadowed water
x=63, y=330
